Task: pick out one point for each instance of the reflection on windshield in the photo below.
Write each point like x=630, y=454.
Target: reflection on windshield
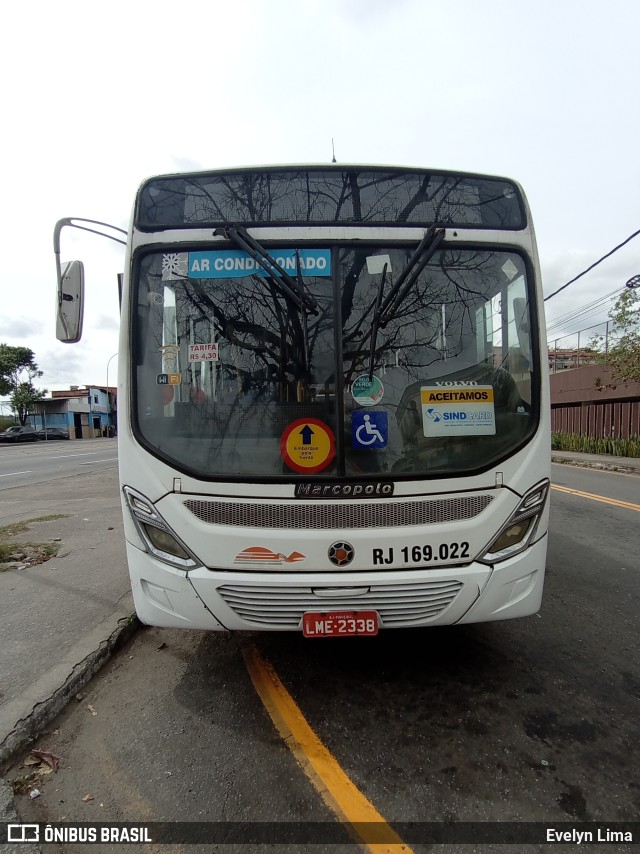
x=233, y=381
x=329, y=195
x=461, y=325
x=225, y=363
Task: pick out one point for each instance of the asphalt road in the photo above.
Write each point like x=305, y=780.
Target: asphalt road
x=529, y=720
x=41, y=462
x=621, y=487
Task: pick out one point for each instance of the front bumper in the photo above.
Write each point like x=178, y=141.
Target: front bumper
x=250, y=601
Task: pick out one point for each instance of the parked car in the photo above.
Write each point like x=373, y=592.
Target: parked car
x=18, y=434
x=52, y=433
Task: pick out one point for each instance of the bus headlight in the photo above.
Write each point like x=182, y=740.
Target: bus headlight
x=156, y=534
x=516, y=534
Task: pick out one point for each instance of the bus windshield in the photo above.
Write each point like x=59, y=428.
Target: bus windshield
x=234, y=381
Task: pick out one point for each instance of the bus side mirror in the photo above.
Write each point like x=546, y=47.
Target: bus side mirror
x=70, y=302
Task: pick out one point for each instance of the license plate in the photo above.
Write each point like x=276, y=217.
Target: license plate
x=340, y=624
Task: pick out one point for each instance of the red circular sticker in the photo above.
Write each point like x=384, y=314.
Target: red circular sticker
x=307, y=445
x=196, y=395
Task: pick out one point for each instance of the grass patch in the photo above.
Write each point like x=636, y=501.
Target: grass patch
x=35, y=553
x=615, y=447
x=5, y=550
x=20, y=527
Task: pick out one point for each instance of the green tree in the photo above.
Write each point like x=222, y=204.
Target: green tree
x=623, y=350
x=23, y=399
x=18, y=370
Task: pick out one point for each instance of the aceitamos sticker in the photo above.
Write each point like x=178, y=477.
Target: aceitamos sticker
x=458, y=411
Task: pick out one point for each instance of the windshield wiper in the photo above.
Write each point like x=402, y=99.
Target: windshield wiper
x=384, y=311
x=424, y=253
x=288, y=286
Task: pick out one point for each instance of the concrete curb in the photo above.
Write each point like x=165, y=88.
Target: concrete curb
x=58, y=686
x=586, y=464
x=43, y=701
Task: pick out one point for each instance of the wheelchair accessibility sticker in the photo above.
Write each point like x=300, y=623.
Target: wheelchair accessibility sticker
x=369, y=429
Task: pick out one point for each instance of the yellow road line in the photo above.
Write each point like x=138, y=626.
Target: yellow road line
x=322, y=768
x=626, y=504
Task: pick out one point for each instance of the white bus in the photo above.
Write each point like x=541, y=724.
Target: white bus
x=333, y=409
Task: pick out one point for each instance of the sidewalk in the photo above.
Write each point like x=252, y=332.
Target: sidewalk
x=61, y=619
x=628, y=465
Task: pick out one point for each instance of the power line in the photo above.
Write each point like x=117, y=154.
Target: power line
x=569, y=314
x=583, y=312
x=556, y=338
x=576, y=324
x=595, y=264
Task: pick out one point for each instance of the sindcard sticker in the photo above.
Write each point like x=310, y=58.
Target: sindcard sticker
x=467, y=411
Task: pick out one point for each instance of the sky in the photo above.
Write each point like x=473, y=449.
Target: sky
x=98, y=97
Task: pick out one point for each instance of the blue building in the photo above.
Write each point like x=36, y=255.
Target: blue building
x=86, y=413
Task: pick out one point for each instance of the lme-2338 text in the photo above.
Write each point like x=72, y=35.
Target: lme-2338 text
x=420, y=554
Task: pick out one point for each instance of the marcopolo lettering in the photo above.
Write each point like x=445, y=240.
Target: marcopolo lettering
x=322, y=489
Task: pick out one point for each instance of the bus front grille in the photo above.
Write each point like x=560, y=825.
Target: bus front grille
x=399, y=605
x=268, y=514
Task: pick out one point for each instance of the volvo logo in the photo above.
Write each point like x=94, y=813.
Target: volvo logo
x=340, y=554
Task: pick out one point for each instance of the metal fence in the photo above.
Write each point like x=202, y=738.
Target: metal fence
x=608, y=419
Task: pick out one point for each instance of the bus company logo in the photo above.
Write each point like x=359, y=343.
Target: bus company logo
x=23, y=833
x=322, y=489
x=259, y=556
x=340, y=554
